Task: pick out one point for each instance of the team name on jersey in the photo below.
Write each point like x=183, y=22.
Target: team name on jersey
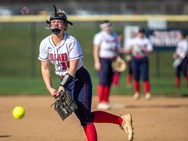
x=111, y=41
x=61, y=58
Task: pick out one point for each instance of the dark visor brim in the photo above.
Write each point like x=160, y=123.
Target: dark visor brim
x=69, y=22
x=48, y=22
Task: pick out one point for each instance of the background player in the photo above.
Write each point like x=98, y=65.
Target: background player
x=115, y=80
x=139, y=47
x=181, y=57
x=128, y=58
x=105, y=46
x=65, y=53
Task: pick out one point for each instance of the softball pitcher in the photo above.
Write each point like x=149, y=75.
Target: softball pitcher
x=105, y=46
x=181, y=58
x=139, y=47
x=65, y=53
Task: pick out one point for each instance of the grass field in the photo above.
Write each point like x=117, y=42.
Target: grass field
x=20, y=69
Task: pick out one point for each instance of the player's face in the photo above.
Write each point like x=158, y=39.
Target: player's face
x=57, y=24
x=120, y=38
x=108, y=28
x=141, y=34
x=180, y=37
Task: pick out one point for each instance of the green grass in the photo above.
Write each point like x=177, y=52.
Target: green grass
x=20, y=68
x=28, y=86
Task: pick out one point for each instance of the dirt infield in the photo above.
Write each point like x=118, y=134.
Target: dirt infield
x=161, y=119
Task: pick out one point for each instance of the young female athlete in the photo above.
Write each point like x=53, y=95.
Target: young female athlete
x=181, y=56
x=140, y=47
x=105, y=50
x=65, y=53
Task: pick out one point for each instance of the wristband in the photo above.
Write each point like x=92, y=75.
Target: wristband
x=66, y=80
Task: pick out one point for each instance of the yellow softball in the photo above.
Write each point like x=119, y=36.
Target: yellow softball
x=18, y=112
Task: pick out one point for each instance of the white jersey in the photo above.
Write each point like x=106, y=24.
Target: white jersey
x=61, y=54
x=182, y=48
x=108, y=44
x=137, y=45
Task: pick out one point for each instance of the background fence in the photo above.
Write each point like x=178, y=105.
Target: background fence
x=21, y=35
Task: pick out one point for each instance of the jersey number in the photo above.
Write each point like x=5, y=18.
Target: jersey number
x=62, y=59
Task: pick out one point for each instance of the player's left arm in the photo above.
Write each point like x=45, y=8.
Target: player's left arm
x=73, y=67
x=70, y=73
x=149, y=48
x=186, y=48
x=74, y=54
x=127, y=49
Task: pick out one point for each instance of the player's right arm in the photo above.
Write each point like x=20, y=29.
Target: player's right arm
x=96, y=47
x=45, y=66
x=45, y=70
x=128, y=47
x=175, y=55
x=96, y=57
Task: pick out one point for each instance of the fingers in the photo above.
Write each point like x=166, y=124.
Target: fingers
x=53, y=92
x=56, y=94
x=97, y=66
x=61, y=88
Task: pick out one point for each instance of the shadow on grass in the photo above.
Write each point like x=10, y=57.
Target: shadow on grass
x=185, y=95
